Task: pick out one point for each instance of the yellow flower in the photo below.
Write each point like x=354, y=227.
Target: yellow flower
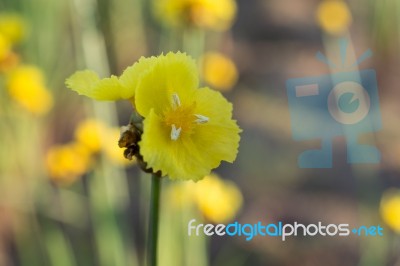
x=26, y=86
x=212, y=14
x=219, y=71
x=88, y=133
x=390, y=209
x=219, y=200
x=12, y=27
x=334, y=16
x=186, y=131
x=66, y=163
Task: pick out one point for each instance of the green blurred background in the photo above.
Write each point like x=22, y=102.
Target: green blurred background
x=63, y=205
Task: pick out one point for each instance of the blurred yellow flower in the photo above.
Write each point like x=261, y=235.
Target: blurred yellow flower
x=26, y=86
x=13, y=27
x=390, y=209
x=89, y=133
x=66, y=163
x=211, y=14
x=219, y=71
x=334, y=16
x=219, y=200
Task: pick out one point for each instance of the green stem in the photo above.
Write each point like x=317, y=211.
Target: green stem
x=153, y=220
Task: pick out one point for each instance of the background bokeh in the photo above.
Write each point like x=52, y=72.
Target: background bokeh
x=69, y=198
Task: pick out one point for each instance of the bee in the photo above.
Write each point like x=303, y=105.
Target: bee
x=129, y=139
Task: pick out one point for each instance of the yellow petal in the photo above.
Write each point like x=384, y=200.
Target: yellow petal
x=130, y=78
x=177, y=159
x=192, y=156
x=88, y=83
x=172, y=73
x=219, y=137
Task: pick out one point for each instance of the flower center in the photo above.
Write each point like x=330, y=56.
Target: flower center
x=181, y=118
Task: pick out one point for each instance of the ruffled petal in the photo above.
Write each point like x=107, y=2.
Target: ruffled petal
x=131, y=76
x=174, y=73
x=218, y=139
x=178, y=159
x=88, y=83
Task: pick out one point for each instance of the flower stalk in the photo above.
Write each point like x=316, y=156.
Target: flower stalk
x=153, y=220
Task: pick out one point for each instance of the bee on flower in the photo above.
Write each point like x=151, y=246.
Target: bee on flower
x=185, y=131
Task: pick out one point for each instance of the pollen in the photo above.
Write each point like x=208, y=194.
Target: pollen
x=181, y=117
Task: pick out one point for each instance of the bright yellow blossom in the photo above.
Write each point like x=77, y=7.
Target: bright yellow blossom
x=66, y=163
x=212, y=14
x=89, y=132
x=12, y=27
x=219, y=71
x=334, y=16
x=390, y=209
x=26, y=86
x=186, y=131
